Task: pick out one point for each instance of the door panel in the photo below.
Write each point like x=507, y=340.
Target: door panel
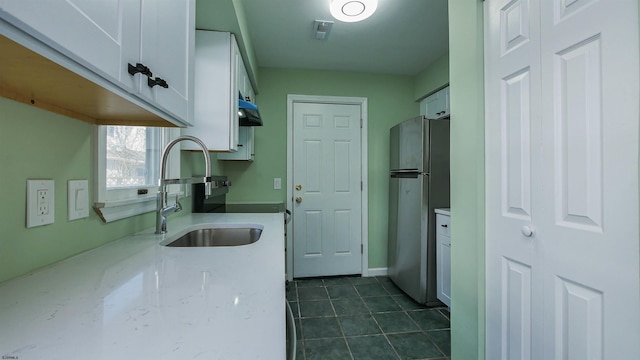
x=516, y=311
x=326, y=166
x=590, y=215
x=512, y=132
x=516, y=146
x=562, y=220
x=579, y=321
x=578, y=174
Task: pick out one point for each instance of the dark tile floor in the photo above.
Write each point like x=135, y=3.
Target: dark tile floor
x=365, y=318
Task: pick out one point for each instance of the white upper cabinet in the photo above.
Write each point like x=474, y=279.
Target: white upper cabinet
x=101, y=35
x=436, y=105
x=166, y=47
x=246, y=141
x=219, y=80
x=244, y=82
x=142, y=47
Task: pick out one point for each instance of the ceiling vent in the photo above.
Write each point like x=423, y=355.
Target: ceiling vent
x=321, y=29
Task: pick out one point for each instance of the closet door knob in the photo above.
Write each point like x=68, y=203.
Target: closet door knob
x=527, y=231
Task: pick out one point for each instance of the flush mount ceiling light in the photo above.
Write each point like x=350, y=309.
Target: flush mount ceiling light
x=352, y=10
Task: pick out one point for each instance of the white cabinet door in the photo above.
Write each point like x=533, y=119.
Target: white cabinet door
x=166, y=47
x=444, y=111
x=241, y=73
x=246, y=147
x=109, y=36
x=562, y=251
x=244, y=84
x=432, y=106
x=443, y=258
x=436, y=105
x=216, y=91
x=101, y=35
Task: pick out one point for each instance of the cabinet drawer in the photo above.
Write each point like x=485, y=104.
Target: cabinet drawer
x=443, y=224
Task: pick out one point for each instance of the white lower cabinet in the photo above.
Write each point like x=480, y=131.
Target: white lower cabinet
x=245, y=146
x=443, y=255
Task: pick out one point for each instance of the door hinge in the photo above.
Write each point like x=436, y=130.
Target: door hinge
x=361, y=186
x=361, y=248
x=360, y=123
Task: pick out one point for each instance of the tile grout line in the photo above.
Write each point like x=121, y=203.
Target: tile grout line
x=395, y=297
x=344, y=336
x=381, y=329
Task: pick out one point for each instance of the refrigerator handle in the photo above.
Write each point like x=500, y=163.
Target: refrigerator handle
x=415, y=170
x=407, y=174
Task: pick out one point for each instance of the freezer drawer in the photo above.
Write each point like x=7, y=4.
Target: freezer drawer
x=408, y=235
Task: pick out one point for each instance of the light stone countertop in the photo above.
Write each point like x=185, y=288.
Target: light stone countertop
x=136, y=299
x=443, y=211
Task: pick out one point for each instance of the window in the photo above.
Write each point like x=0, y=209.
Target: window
x=128, y=169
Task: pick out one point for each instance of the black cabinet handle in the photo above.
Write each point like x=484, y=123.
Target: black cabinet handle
x=444, y=225
x=157, y=81
x=139, y=68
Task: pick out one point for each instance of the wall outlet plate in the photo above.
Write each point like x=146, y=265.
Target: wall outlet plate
x=40, y=203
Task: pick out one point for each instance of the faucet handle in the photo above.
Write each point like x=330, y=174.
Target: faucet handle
x=178, y=205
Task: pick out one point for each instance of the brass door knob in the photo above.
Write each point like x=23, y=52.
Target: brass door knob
x=298, y=199
x=298, y=187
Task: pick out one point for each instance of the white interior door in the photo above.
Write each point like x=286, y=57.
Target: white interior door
x=563, y=253
x=327, y=236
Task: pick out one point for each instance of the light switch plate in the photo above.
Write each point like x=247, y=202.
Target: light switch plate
x=40, y=203
x=78, y=199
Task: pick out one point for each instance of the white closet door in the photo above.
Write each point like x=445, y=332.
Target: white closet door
x=563, y=267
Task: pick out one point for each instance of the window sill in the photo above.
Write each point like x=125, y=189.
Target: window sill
x=112, y=212
x=122, y=209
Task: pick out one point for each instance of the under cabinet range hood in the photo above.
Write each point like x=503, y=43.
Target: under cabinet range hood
x=248, y=114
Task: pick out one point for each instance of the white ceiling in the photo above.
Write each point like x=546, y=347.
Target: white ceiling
x=402, y=37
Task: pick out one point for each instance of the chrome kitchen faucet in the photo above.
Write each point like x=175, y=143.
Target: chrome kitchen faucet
x=163, y=210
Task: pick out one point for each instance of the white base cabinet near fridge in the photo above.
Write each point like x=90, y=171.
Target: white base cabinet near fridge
x=443, y=255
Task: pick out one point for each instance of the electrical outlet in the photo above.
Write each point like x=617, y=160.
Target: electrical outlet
x=40, y=202
x=277, y=183
x=43, y=202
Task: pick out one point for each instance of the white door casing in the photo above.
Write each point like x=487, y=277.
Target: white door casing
x=562, y=162
x=326, y=158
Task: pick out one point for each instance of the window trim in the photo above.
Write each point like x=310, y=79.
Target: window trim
x=116, y=204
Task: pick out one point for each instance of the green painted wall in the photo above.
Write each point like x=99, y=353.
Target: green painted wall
x=390, y=100
x=433, y=78
x=38, y=144
x=467, y=179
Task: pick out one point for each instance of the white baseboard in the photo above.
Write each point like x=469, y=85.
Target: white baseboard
x=378, y=272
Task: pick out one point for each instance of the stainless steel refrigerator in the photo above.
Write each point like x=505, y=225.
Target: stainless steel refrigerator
x=418, y=184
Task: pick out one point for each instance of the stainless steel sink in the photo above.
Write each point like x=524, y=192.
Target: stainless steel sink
x=219, y=236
